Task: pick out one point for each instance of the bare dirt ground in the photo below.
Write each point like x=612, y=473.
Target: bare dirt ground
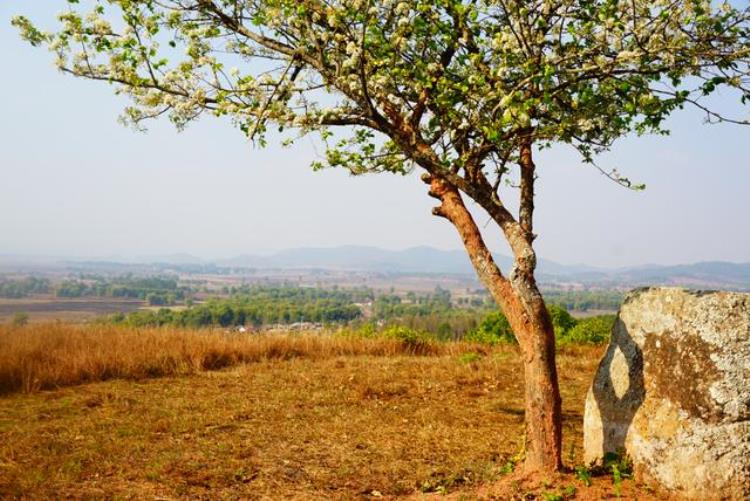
x=338, y=427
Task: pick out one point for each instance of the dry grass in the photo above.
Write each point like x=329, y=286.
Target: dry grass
x=311, y=418
x=47, y=356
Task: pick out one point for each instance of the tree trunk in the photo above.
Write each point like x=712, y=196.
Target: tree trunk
x=522, y=304
x=542, y=395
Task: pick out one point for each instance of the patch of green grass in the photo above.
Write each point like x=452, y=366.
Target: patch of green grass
x=569, y=491
x=619, y=464
x=470, y=357
x=583, y=474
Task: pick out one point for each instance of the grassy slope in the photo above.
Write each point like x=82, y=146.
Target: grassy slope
x=321, y=423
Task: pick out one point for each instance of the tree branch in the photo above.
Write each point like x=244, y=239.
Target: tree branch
x=528, y=176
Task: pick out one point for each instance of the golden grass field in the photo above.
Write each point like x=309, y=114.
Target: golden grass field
x=102, y=412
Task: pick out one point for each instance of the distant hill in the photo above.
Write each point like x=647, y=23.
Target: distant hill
x=702, y=275
x=707, y=274
x=413, y=260
x=716, y=274
x=177, y=258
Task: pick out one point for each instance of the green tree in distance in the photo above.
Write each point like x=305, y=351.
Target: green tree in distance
x=20, y=319
x=462, y=90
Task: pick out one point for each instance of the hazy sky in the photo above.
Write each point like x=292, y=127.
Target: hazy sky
x=75, y=182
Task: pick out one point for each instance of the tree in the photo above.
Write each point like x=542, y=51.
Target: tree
x=591, y=330
x=20, y=319
x=463, y=90
x=562, y=321
x=494, y=328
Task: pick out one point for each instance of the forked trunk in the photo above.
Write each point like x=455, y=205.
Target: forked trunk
x=522, y=304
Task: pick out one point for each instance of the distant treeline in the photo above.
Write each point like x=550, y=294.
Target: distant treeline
x=168, y=290
x=125, y=286
x=301, y=294
x=256, y=306
x=584, y=300
x=15, y=289
x=264, y=305
x=495, y=328
x=473, y=316
x=158, y=291
x=431, y=315
x=437, y=313
x=391, y=305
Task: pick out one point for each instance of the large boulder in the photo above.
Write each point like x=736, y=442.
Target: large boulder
x=673, y=392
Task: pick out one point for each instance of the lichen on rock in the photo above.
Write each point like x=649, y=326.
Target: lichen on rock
x=673, y=392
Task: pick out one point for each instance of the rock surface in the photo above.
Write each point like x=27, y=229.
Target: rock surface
x=673, y=392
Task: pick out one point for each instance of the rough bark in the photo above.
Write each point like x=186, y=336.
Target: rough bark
x=542, y=395
x=522, y=304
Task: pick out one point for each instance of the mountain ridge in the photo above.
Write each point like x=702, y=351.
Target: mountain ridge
x=430, y=260
x=425, y=259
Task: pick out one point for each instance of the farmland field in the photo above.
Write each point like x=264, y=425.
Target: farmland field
x=45, y=309
x=287, y=417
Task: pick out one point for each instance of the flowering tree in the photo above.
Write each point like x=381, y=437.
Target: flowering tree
x=463, y=90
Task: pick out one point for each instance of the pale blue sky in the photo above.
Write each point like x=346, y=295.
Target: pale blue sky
x=75, y=182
